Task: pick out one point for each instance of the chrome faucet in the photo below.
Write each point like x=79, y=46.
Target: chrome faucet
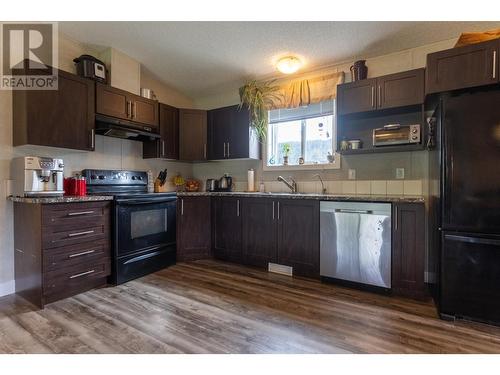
x=292, y=185
x=323, y=189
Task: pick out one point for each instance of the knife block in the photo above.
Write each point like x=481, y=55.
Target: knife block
x=160, y=189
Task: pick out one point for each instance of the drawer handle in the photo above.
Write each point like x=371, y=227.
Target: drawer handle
x=80, y=233
x=80, y=213
x=81, y=274
x=80, y=254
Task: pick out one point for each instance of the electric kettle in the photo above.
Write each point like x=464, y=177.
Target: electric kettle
x=226, y=183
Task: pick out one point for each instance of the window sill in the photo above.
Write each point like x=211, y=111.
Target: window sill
x=303, y=167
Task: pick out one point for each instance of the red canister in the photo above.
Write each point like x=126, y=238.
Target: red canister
x=81, y=186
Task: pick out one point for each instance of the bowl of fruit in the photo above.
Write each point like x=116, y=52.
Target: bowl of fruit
x=192, y=185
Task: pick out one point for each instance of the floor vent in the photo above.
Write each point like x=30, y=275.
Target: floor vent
x=281, y=269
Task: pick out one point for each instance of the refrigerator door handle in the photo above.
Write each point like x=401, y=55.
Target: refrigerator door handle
x=476, y=240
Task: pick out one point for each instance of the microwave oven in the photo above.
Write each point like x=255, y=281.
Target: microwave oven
x=396, y=134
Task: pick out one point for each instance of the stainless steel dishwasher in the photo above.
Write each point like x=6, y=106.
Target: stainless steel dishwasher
x=356, y=242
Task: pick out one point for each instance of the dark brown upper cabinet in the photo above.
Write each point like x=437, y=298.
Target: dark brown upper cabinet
x=192, y=134
x=463, y=67
x=401, y=89
x=121, y=104
x=359, y=96
x=390, y=91
x=230, y=135
x=408, y=250
x=58, y=118
x=167, y=147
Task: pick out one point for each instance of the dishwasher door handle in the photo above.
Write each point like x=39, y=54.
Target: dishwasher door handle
x=346, y=211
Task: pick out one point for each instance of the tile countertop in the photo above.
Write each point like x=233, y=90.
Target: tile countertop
x=63, y=199
x=322, y=197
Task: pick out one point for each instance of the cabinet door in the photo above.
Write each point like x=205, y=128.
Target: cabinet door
x=219, y=127
x=239, y=143
x=226, y=224
x=167, y=147
x=298, y=235
x=144, y=111
x=113, y=102
x=259, y=231
x=401, y=89
x=357, y=96
x=457, y=68
x=192, y=134
x=58, y=118
x=193, y=228
x=408, y=250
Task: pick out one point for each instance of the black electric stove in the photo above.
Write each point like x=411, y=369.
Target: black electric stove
x=144, y=233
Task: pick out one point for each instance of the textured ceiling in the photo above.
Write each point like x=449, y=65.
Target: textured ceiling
x=201, y=58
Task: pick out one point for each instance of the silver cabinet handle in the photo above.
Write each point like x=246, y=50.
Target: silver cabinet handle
x=80, y=233
x=373, y=96
x=205, y=150
x=345, y=211
x=238, y=208
x=494, y=64
x=396, y=218
x=129, y=108
x=92, y=139
x=80, y=254
x=278, y=210
x=379, y=99
x=81, y=274
x=182, y=207
x=273, y=210
x=224, y=149
x=132, y=107
x=228, y=149
x=80, y=213
x=162, y=148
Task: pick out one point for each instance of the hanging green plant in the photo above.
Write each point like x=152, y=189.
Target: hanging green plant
x=259, y=97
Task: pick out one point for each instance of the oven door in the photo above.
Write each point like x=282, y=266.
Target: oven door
x=144, y=224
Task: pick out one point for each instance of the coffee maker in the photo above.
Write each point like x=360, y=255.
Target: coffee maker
x=37, y=177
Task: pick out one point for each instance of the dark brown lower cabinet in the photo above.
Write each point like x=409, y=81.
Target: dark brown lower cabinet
x=60, y=249
x=298, y=235
x=226, y=229
x=259, y=223
x=408, y=250
x=193, y=228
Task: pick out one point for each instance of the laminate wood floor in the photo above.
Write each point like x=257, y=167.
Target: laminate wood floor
x=215, y=307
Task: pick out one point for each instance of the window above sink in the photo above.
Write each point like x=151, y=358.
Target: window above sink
x=307, y=133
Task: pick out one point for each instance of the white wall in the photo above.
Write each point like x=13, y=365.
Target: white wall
x=110, y=153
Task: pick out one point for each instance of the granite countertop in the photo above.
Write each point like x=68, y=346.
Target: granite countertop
x=322, y=197
x=63, y=199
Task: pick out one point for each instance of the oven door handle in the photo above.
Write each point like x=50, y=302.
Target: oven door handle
x=149, y=201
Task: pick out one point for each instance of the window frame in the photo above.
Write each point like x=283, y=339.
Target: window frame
x=322, y=166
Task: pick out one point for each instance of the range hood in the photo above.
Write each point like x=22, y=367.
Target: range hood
x=113, y=127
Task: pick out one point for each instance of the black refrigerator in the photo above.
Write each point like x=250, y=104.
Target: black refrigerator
x=469, y=255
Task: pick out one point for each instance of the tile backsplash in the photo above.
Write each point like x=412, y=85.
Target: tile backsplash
x=361, y=187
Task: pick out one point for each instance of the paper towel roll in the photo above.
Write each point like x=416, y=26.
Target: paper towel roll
x=251, y=180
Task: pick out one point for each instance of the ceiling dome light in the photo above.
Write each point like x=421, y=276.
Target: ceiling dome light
x=288, y=64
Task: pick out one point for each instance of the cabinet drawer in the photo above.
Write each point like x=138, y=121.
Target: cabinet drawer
x=58, y=237
x=69, y=256
x=75, y=214
x=76, y=277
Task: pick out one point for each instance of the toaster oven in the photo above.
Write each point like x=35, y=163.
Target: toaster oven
x=396, y=134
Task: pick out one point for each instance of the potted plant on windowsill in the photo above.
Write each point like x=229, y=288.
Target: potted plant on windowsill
x=259, y=97
x=286, y=148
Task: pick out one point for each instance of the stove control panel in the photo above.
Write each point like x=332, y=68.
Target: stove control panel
x=115, y=177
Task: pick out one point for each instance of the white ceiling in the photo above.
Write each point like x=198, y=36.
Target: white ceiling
x=202, y=58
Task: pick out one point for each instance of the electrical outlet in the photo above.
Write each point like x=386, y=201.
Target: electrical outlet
x=400, y=173
x=351, y=174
